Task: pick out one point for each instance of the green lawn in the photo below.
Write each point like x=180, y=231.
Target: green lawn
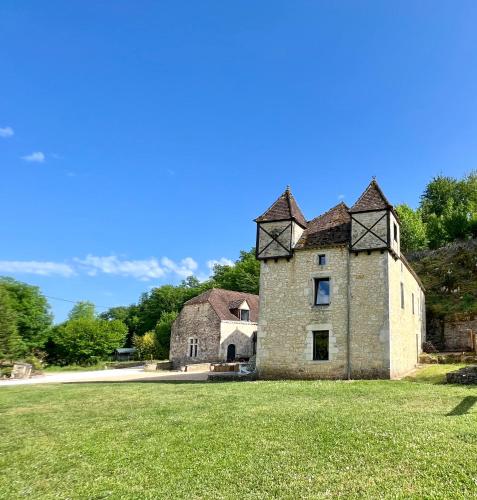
x=367, y=439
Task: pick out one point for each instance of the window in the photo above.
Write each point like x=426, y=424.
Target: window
x=395, y=232
x=244, y=315
x=322, y=260
x=413, y=304
x=321, y=342
x=322, y=291
x=193, y=347
x=402, y=295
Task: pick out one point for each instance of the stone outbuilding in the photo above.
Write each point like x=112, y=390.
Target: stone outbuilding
x=218, y=325
x=337, y=297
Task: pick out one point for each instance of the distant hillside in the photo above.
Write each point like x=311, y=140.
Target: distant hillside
x=450, y=277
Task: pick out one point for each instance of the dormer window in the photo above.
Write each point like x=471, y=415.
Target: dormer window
x=244, y=315
x=240, y=309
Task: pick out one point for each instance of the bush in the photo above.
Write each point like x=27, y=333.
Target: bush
x=428, y=347
x=34, y=362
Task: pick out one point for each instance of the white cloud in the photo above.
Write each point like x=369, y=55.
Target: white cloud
x=223, y=261
x=140, y=269
x=36, y=267
x=112, y=265
x=36, y=157
x=185, y=268
x=6, y=132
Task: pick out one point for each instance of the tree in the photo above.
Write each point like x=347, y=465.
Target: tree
x=128, y=315
x=413, y=230
x=34, y=320
x=167, y=298
x=86, y=340
x=163, y=333
x=243, y=276
x=83, y=310
x=146, y=345
x=449, y=209
x=11, y=345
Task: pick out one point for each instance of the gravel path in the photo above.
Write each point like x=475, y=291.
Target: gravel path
x=136, y=374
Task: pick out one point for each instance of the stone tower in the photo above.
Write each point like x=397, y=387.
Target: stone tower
x=374, y=225
x=279, y=228
x=337, y=297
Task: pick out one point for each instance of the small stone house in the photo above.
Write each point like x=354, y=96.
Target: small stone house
x=337, y=297
x=218, y=325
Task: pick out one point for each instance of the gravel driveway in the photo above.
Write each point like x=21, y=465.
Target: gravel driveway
x=136, y=374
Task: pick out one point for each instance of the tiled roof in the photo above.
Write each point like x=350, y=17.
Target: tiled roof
x=372, y=199
x=222, y=301
x=331, y=228
x=284, y=208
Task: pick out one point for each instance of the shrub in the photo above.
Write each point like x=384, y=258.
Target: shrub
x=428, y=347
x=34, y=362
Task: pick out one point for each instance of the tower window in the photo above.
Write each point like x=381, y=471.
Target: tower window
x=395, y=232
x=402, y=295
x=322, y=260
x=413, y=312
x=322, y=291
x=321, y=341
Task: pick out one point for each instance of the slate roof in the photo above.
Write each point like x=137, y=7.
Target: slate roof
x=222, y=301
x=284, y=208
x=331, y=228
x=372, y=199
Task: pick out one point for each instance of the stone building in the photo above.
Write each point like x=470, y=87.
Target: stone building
x=218, y=325
x=337, y=297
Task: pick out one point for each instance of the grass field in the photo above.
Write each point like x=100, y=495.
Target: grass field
x=366, y=439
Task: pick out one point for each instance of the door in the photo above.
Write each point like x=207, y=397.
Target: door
x=230, y=352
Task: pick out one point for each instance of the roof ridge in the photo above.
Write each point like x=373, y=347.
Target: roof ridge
x=328, y=211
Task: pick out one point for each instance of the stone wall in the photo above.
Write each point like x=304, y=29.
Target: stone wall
x=195, y=321
x=385, y=340
x=456, y=335
x=369, y=315
x=407, y=325
x=288, y=316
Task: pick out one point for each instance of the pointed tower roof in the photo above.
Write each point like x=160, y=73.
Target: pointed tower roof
x=284, y=208
x=372, y=199
x=333, y=228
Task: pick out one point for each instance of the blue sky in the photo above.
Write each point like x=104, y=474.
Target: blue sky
x=138, y=140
